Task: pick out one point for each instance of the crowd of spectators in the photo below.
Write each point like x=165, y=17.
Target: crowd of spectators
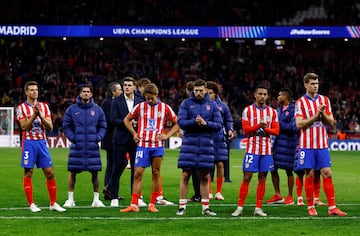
x=238, y=66
x=171, y=12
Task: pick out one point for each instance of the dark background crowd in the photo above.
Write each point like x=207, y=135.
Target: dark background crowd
x=60, y=66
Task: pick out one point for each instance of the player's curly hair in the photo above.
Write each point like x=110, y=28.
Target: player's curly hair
x=151, y=89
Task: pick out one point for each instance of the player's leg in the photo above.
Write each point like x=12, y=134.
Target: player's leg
x=96, y=183
x=276, y=198
x=28, y=159
x=219, y=180
x=155, y=183
x=204, y=175
x=289, y=200
x=184, y=188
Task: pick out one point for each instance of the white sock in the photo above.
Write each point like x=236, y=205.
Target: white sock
x=71, y=196
x=205, y=203
x=96, y=196
x=204, y=207
x=182, y=203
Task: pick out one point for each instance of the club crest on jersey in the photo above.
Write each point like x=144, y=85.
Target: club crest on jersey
x=151, y=125
x=208, y=107
x=92, y=113
x=151, y=122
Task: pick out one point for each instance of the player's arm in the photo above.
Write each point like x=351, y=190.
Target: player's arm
x=249, y=129
x=26, y=124
x=274, y=129
x=130, y=127
x=328, y=119
x=302, y=123
x=175, y=128
x=45, y=120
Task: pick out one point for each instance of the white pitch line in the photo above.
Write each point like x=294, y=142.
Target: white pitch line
x=189, y=205
x=181, y=218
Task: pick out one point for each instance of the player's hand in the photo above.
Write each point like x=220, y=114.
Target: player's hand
x=39, y=111
x=230, y=134
x=263, y=124
x=36, y=110
x=161, y=137
x=200, y=120
x=136, y=138
x=321, y=108
x=133, y=123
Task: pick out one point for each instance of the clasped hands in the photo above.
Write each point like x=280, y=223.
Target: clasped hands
x=200, y=121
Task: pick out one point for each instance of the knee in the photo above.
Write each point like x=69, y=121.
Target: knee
x=326, y=173
x=185, y=176
x=155, y=169
x=49, y=174
x=28, y=173
x=289, y=173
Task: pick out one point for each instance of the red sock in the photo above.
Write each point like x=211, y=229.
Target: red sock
x=244, y=189
x=299, y=186
x=329, y=191
x=260, y=192
x=317, y=182
x=135, y=198
x=51, y=187
x=219, y=183
x=28, y=190
x=309, y=191
x=153, y=197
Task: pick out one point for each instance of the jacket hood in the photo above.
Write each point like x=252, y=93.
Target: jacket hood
x=84, y=105
x=204, y=100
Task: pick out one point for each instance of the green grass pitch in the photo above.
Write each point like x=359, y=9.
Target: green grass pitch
x=16, y=219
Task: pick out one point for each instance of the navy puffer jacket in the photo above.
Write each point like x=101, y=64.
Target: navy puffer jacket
x=221, y=148
x=197, y=149
x=285, y=144
x=84, y=125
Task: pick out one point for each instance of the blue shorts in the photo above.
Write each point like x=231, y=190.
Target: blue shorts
x=144, y=155
x=258, y=163
x=35, y=152
x=314, y=158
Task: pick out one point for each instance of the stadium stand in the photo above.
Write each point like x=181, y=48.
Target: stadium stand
x=237, y=65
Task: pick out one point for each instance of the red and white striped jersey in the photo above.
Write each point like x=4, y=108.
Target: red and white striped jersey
x=315, y=136
x=151, y=122
x=260, y=142
x=25, y=111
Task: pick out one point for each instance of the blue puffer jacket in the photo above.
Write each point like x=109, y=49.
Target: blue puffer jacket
x=197, y=149
x=285, y=144
x=221, y=149
x=84, y=125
